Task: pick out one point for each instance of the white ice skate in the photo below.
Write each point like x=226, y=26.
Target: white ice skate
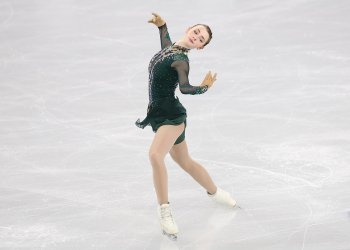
x=167, y=222
x=222, y=197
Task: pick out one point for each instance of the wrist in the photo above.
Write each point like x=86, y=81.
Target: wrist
x=161, y=25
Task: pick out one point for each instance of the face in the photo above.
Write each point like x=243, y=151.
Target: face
x=196, y=36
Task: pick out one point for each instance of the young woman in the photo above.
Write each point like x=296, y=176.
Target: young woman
x=168, y=69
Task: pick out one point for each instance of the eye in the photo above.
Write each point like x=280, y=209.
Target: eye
x=195, y=32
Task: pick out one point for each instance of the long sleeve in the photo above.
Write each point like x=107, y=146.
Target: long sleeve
x=182, y=68
x=165, y=40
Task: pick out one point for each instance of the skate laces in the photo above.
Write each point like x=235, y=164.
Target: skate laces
x=165, y=213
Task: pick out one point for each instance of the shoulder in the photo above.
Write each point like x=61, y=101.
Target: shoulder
x=181, y=63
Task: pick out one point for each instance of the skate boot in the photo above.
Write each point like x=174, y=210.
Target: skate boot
x=167, y=223
x=222, y=197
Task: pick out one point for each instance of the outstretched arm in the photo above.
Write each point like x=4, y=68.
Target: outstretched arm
x=165, y=40
x=182, y=68
x=163, y=30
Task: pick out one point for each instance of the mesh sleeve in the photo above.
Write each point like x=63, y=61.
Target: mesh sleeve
x=182, y=68
x=165, y=40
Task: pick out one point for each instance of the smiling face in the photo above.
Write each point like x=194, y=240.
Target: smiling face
x=197, y=36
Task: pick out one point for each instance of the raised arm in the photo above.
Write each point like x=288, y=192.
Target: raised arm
x=182, y=68
x=165, y=40
x=157, y=20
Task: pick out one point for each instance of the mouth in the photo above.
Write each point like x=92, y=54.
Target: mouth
x=190, y=40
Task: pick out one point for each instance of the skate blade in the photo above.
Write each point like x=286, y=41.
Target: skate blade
x=237, y=206
x=170, y=236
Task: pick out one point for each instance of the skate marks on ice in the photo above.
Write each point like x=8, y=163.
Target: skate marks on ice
x=221, y=217
x=167, y=244
x=162, y=242
x=218, y=222
x=6, y=14
x=319, y=175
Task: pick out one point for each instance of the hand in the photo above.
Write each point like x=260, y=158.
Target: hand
x=209, y=79
x=157, y=20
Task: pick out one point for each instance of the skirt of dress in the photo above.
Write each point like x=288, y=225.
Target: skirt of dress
x=164, y=111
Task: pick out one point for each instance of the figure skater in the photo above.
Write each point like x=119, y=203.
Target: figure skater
x=167, y=69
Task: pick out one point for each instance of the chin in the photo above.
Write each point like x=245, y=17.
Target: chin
x=191, y=45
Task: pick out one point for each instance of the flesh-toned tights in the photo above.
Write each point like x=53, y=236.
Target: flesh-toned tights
x=162, y=144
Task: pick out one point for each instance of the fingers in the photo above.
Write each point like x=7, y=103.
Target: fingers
x=154, y=18
x=210, y=78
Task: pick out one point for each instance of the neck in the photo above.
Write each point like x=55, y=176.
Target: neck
x=182, y=44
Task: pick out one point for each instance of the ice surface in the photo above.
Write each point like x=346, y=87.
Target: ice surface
x=274, y=130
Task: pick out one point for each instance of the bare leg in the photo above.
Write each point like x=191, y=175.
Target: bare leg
x=163, y=141
x=200, y=174
x=180, y=155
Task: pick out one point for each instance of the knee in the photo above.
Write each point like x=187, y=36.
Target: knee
x=155, y=157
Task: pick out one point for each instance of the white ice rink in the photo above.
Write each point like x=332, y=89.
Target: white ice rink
x=274, y=130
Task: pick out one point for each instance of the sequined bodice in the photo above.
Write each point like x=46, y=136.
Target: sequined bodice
x=163, y=79
x=168, y=69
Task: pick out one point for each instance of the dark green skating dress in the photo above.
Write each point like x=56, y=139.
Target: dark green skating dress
x=168, y=69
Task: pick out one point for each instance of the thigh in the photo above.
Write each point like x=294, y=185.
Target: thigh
x=165, y=138
x=181, y=137
x=180, y=155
